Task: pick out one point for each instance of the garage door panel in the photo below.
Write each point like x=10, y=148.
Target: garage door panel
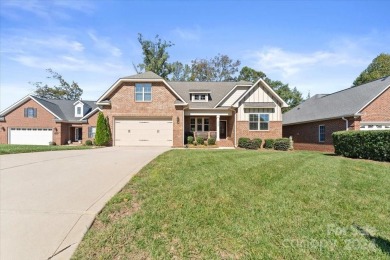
x=143, y=132
x=31, y=136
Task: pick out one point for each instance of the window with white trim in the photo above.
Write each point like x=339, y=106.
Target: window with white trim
x=259, y=122
x=200, y=98
x=321, y=133
x=30, y=112
x=199, y=124
x=143, y=92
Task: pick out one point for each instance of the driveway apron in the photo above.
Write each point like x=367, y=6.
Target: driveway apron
x=49, y=199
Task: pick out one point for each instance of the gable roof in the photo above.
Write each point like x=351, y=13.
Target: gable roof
x=263, y=83
x=60, y=109
x=142, y=77
x=347, y=102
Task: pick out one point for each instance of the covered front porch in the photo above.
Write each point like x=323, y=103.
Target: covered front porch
x=219, y=126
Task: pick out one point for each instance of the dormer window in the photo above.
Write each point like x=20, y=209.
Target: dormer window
x=78, y=109
x=200, y=97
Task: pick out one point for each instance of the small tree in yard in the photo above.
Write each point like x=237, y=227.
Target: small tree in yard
x=102, y=136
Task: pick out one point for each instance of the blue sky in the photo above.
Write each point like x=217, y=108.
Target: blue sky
x=316, y=46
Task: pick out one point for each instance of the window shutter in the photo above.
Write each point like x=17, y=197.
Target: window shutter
x=25, y=112
x=89, y=132
x=35, y=112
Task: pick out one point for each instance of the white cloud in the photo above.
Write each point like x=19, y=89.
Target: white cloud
x=104, y=45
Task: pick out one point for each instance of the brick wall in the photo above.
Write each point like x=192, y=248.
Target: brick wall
x=92, y=121
x=162, y=105
x=379, y=109
x=275, y=131
x=306, y=136
x=16, y=119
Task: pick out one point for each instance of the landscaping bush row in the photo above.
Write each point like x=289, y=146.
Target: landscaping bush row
x=200, y=140
x=281, y=144
x=247, y=143
x=373, y=145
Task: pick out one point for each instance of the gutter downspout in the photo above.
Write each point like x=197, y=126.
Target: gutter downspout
x=235, y=128
x=346, y=123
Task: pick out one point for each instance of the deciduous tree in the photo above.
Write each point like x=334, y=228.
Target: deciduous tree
x=65, y=90
x=378, y=68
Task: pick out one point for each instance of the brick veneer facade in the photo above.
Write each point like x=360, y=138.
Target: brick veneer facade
x=275, y=131
x=123, y=105
x=378, y=110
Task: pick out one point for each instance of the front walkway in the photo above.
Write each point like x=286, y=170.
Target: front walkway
x=49, y=199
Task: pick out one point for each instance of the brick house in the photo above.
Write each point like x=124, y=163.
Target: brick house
x=365, y=107
x=145, y=109
x=34, y=120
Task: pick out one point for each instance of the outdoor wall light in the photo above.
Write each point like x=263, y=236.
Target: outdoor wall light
x=177, y=119
x=3, y=129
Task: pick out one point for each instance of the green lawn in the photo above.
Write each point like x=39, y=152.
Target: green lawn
x=236, y=204
x=16, y=148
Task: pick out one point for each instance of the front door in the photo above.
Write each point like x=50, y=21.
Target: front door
x=78, y=134
x=222, y=129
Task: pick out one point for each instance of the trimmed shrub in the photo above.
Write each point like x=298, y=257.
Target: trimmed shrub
x=247, y=143
x=88, y=142
x=373, y=145
x=102, y=136
x=243, y=141
x=258, y=141
x=186, y=135
x=269, y=143
x=52, y=143
x=282, y=144
x=190, y=139
x=200, y=140
x=211, y=141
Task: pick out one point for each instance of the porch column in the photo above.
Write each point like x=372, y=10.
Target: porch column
x=218, y=127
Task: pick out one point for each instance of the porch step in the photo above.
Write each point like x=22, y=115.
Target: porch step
x=225, y=143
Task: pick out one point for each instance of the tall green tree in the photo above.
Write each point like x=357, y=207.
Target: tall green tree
x=103, y=134
x=155, y=56
x=219, y=68
x=180, y=72
x=378, y=68
x=65, y=90
x=251, y=75
x=292, y=96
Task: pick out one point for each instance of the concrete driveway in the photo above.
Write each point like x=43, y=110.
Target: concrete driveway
x=49, y=199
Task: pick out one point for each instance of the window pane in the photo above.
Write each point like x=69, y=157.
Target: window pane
x=196, y=97
x=206, y=121
x=193, y=128
x=138, y=88
x=192, y=121
x=263, y=126
x=199, y=121
x=202, y=97
x=253, y=117
x=30, y=112
x=199, y=127
x=148, y=88
x=253, y=126
x=264, y=117
x=138, y=97
x=206, y=127
x=147, y=97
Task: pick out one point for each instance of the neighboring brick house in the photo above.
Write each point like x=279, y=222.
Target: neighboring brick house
x=365, y=107
x=145, y=109
x=34, y=120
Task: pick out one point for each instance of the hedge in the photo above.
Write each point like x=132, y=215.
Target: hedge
x=373, y=145
x=269, y=143
x=211, y=141
x=247, y=143
x=282, y=144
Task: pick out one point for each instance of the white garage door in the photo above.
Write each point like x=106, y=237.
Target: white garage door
x=143, y=132
x=40, y=136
